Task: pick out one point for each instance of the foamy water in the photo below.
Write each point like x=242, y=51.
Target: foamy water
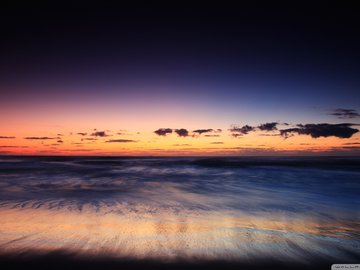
x=170, y=208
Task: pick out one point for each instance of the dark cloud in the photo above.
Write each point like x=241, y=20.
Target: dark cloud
x=120, y=141
x=163, y=131
x=80, y=150
x=82, y=133
x=12, y=146
x=343, y=130
x=59, y=134
x=60, y=141
x=239, y=131
x=182, y=132
x=41, y=138
x=201, y=131
x=89, y=139
x=7, y=137
x=345, y=113
x=268, y=126
x=212, y=135
x=217, y=143
x=269, y=135
x=352, y=143
x=99, y=134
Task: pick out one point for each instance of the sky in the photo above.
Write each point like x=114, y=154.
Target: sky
x=179, y=80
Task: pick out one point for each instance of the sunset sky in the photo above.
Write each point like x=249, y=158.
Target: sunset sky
x=179, y=81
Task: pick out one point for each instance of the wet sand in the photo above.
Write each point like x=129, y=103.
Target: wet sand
x=144, y=216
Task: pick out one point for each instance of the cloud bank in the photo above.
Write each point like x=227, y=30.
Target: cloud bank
x=342, y=131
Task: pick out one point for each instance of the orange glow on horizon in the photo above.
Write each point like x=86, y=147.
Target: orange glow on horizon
x=58, y=141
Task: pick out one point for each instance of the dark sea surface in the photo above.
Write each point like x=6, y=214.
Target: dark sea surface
x=300, y=210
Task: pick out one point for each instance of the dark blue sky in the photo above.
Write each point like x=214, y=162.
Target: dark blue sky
x=303, y=56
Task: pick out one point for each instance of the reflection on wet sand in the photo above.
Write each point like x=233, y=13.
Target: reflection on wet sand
x=166, y=235
x=229, y=209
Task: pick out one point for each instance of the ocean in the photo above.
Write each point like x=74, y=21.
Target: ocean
x=246, y=210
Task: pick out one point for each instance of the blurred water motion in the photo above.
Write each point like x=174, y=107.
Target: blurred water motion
x=168, y=208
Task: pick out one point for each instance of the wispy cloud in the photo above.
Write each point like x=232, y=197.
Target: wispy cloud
x=345, y=113
x=7, y=137
x=12, y=146
x=183, y=144
x=41, y=138
x=89, y=139
x=120, y=141
x=212, y=135
x=201, y=131
x=207, y=130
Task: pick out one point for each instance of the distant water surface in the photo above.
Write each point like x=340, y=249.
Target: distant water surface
x=236, y=209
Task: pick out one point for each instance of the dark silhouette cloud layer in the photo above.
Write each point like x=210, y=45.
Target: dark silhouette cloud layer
x=343, y=130
x=99, y=134
x=163, y=131
x=208, y=130
x=240, y=131
x=182, y=132
x=201, y=131
x=268, y=126
x=7, y=137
